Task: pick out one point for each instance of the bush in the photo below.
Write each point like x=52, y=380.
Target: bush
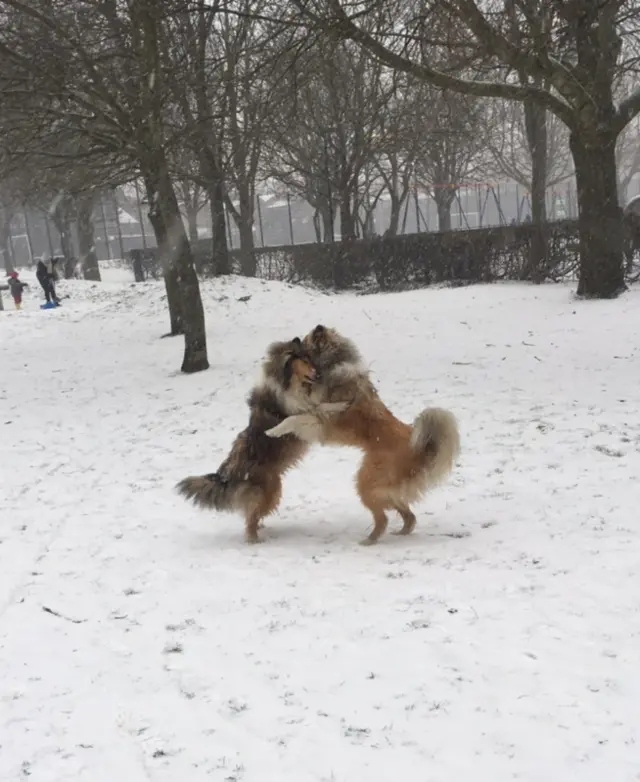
x=416, y=260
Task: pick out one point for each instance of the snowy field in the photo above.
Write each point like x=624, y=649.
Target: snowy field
x=142, y=640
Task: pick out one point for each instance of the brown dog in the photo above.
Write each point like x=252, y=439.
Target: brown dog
x=401, y=462
x=249, y=480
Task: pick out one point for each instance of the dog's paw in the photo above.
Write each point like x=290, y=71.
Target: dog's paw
x=285, y=427
x=304, y=427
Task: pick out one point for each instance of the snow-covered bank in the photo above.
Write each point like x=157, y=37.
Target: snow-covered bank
x=498, y=642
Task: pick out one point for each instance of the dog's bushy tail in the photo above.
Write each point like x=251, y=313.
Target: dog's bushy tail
x=435, y=435
x=207, y=491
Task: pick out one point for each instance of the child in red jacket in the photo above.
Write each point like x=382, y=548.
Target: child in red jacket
x=16, y=286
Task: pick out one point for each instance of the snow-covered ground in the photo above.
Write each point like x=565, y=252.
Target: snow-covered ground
x=141, y=639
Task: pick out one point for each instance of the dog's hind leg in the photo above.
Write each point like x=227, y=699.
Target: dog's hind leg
x=380, y=522
x=269, y=501
x=375, y=504
x=408, y=518
x=251, y=525
x=367, y=484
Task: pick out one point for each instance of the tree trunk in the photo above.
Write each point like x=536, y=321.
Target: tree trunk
x=443, y=196
x=181, y=258
x=210, y=172
x=169, y=272
x=220, y=247
x=5, y=241
x=62, y=222
x=394, y=216
x=536, y=127
x=347, y=220
x=368, y=226
x=86, y=241
x=192, y=222
x=245, y=229
x=177, y=261
x=325, y=217
x=316, y=225
x=247, y=256
x=151, y=148
x=600, y=222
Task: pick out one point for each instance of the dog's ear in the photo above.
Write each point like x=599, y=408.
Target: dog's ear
x=287, y=372
x=319, y=331
x=296, y=342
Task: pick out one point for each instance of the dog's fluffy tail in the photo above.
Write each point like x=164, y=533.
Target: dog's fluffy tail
x=435, y=435
x=207, y=491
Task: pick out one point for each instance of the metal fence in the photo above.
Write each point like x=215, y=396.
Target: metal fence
x=122, y=224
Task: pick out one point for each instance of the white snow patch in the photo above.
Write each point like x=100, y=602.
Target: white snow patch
x=141, y=639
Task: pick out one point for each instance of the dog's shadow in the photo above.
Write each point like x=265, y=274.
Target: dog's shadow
x=325, y=534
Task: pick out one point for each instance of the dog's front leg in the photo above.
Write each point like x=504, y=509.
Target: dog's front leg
x=305, y=427
x=327, y=409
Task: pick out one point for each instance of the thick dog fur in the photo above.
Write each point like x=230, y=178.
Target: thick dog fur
x=249, y=480
x=401, y=462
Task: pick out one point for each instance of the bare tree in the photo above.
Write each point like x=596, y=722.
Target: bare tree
x=333, y=100
x=202, y=108
x=59, y=181
x=401, y=136
x=568, y=54
x=191, y=194
x=628, y=158
x=251, y=53
x=96, y=71
x=511, y=153
x=453, y=128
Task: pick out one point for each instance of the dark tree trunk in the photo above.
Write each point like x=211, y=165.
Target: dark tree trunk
x=245, y=229
x=394, y=216
x=368, y=226
x=536, y=127
x=220, y=246
x=221, y=261
x=169, y=271
x=175, y=250
x=326, y=216
x=62, y=220
x=177, y=261
x=443, y=196
x=5, y=241
x=316, y=225
x=599, y=215
x=193, y=322
x=247, y=256
x=86, y=241
x=192, y=223
x=347, y=219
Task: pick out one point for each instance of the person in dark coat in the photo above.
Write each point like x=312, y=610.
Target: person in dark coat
x=46, y=274
x=16, y=286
